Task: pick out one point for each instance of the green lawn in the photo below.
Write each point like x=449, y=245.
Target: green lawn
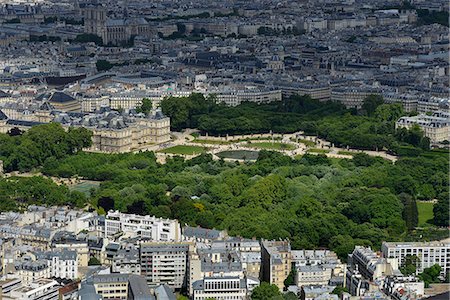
x=270, y=145
x=185, y=150
x=425, y=210
x=211, y=142
x=307, y=143
x=316, y=150
x=85, y=187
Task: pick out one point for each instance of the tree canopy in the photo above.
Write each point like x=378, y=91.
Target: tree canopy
x=328, y=120
x=40, y=144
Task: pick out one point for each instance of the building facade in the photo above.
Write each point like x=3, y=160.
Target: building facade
x=435, y=127
x=429, y=253
x=145, y=227
x=164, y=263
x=276, y=262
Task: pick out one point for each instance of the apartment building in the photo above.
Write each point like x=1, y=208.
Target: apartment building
x=121, y=286
x=111, y=286
x=435, y=127
x=63, y=264
x=164, y=263
x=220, y=288
x=206, y=262
x=408, y=101
x=317, y=267
x=312, y=275
x=248, y=250
x=371, y=265
x=236, y=97
x=126, y=261
x=352, y=97
x=365, y=267
x=80, y=247
x=429, y=253
x=29, y=271
x=276, y=261
x=145, y=227
x=318, y=91
x=397, y=286
x=41, y=289
x=432, y=104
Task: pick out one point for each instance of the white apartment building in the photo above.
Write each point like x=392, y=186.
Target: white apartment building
x=435, y=127
x=146, y=227
x=62, y=264
x=41, y=289
x=164, y=263
x=220, y=288
x=429, y=253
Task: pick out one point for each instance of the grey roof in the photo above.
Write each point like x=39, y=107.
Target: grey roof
x=87, y=292
x=164, y=247
x=3, y=116
x=23, y=123
x=199, y=232
x=60, y=97
x=113, y=246
x=115, y=22
x=139, y=289
x=46, y=106
x=111, y=278
x=33, y=266
x=63, y=255
x=4, y=94
x=163, y=292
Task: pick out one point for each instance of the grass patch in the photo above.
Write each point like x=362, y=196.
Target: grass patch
x=184, y=150
x=85, y=187
x=425, y=210
x=316, y=150
x=307, y=143
x=211, y=142
x=346, y=153
x=270, y=145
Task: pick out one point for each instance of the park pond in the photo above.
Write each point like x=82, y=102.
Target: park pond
x=239, y=154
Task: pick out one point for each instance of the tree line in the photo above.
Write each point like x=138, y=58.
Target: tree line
x=371, y=128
